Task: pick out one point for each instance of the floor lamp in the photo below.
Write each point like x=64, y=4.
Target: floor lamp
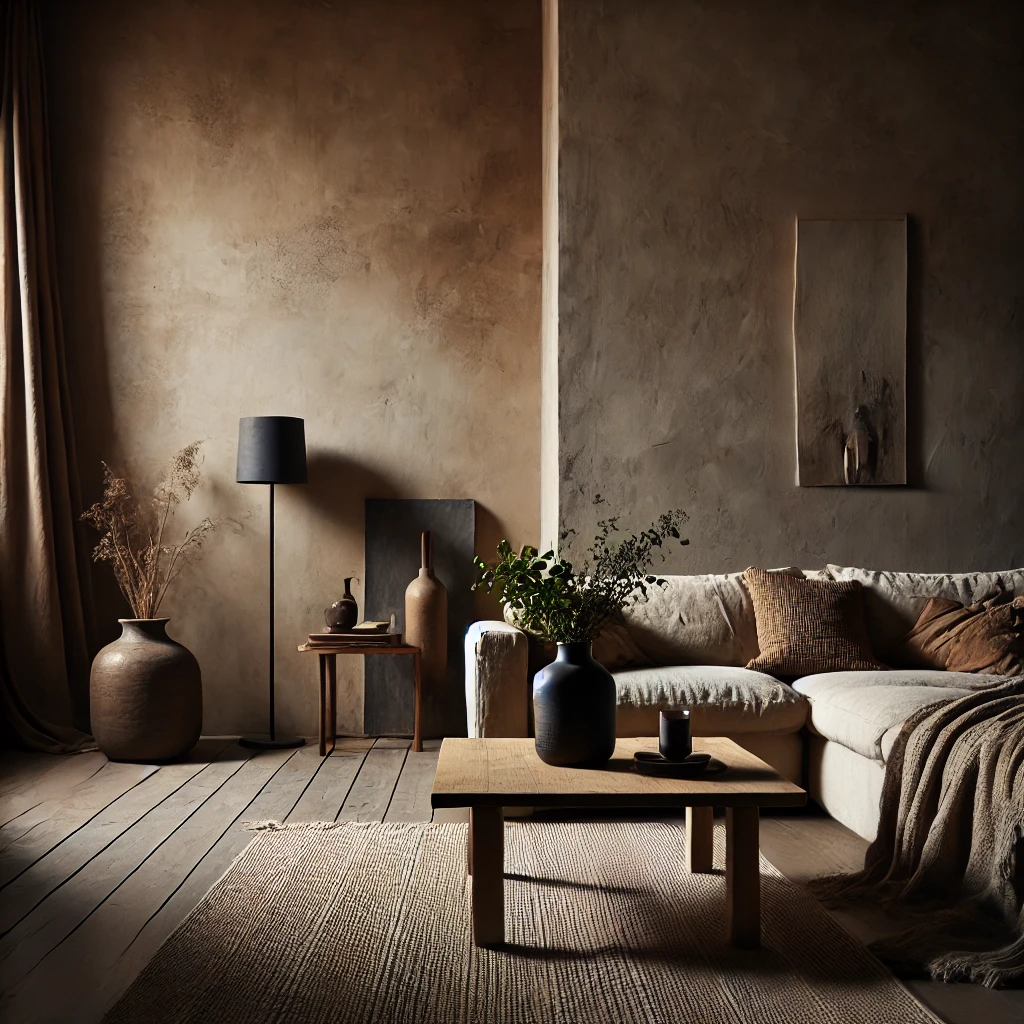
x=271, y=450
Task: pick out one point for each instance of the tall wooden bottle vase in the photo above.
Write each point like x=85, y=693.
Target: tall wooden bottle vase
x=426, y=623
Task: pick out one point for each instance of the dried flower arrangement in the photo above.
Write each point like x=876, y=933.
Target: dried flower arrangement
x=133, y=532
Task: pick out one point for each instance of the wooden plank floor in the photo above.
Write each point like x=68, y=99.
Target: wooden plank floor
x=100, y=862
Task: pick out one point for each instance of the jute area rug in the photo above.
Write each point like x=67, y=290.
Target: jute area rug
x=361, y=923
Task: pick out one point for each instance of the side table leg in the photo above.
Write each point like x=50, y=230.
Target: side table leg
x=487, y=840
x=742, y=877
x=332, y=699
x=700, y=839
x=417, y=739
x=323, y=701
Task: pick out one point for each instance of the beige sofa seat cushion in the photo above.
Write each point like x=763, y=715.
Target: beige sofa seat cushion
x=893, y=601
x=723, y=700
x=858, y=709
x=699, y=620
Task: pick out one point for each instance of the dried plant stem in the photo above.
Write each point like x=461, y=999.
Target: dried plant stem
x=133, y=532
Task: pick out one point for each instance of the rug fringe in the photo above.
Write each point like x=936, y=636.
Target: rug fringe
x=323, y=826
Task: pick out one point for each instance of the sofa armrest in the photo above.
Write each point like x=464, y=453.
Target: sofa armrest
x=497, y=680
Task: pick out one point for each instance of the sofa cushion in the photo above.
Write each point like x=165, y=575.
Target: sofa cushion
x=986, y=638
x=723, y=700
x=699, y=620
x=858, y=709
x=806, y=626
x=893, y=601
x=615, y=647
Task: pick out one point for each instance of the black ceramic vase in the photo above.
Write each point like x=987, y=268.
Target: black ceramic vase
x=574, y=709
x=343, y=614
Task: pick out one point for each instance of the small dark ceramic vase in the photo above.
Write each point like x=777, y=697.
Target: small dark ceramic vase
x=145, y=695
x=343, y=614
x=574, y=709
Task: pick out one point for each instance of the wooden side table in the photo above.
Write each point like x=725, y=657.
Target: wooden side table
x=329, y=685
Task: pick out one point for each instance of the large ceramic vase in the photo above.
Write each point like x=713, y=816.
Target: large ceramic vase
x=574, y=709
x=426, y=620
x=145, y=695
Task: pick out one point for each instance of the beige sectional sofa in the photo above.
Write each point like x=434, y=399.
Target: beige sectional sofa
x=686, y=647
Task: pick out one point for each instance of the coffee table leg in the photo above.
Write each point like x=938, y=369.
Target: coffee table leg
x=742, y=877
x=487, y=843
x=700, y=839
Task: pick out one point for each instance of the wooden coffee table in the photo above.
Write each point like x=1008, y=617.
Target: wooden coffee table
x=486, y=775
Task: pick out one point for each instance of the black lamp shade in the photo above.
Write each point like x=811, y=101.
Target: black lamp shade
x=271, y=450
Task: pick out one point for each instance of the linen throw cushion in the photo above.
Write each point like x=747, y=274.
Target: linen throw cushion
x=808, y=626
x=894, y=600
x=698, y=620
x=616, y=649
x=986, y=638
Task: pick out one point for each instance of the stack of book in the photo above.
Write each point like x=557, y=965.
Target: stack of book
x=366, y=634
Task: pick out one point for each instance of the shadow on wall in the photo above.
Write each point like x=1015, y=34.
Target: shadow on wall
x=338, y=487
x=915, y=359
x=489, y=531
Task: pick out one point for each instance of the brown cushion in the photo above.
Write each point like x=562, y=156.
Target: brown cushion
x=987, y=637
x=808, y=626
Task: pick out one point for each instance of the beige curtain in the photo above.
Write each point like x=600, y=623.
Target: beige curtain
x=44, y=662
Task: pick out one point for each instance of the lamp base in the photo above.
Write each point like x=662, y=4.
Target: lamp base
x=264, y=742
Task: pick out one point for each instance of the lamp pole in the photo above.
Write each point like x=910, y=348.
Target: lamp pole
x=273, y=737
x=271, y=450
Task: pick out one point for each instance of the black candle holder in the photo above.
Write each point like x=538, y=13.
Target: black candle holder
x=674, y=739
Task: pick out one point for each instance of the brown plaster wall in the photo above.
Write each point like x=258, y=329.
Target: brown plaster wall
x=323, y=210
x=692, y=135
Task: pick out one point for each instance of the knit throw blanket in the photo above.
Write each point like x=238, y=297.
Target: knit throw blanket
x=950, y=845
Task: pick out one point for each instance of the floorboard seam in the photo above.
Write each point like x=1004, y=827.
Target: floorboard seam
x=7, y=821
x=323, y=758
x=139, y=865
x=75, y=831
x=209, y=849
x=394, y=788
x=101, y=850
x=355, y=775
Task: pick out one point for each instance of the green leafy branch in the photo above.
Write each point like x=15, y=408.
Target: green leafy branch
x=556, y=601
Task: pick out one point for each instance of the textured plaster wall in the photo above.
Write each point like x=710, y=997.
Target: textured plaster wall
x=549, y=479
x=692, y=135
x=327, y=210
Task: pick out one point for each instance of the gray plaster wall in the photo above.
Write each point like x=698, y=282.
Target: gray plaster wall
x=326, y=210
x=692, y=135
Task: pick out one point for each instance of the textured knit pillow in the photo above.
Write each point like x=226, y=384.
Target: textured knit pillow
x=808, y=626
x=987, y=637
